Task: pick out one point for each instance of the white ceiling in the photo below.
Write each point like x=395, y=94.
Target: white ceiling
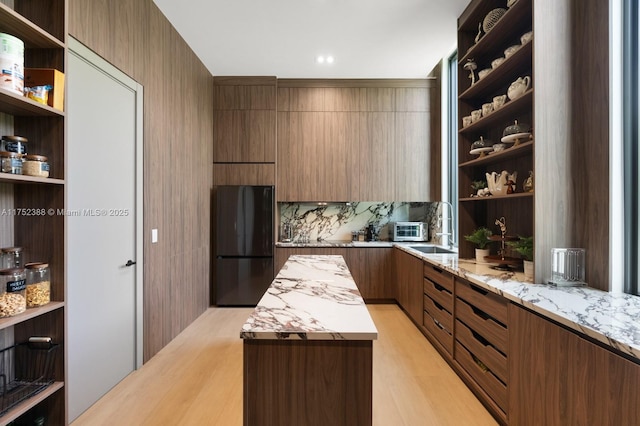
x=368, y=38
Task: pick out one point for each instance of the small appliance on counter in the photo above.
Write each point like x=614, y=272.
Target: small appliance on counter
x=244, y=244
x=410, y=231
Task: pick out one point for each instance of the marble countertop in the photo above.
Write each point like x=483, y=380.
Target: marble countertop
x=311, y=298
x=613, y=319
x=352, y=244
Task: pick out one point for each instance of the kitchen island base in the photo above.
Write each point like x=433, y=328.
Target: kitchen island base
x=302, y=382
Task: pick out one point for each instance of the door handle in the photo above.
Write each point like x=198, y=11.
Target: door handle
x=130, y=263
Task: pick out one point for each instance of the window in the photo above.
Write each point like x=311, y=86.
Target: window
x=631, y=162
x=452, y=151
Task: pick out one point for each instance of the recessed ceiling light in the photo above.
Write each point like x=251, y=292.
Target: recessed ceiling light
x=324, y=59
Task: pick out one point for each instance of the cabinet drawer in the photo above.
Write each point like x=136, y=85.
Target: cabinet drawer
x=438, y=331
x=482, y=375
x=492, y=304
x=495, y=360
x=438, y=293
x=438, y=275
x=437, y=311
x=483, y=324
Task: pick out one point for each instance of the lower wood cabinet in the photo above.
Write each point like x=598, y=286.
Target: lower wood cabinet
x=409, y=286
x=437, y=304
x=481, y=349
x=560, y=378
x=370, y=267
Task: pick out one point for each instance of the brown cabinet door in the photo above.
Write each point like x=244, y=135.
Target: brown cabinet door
x=376, y=157
x=408, y=274
x=559, y=378
x=299, y=136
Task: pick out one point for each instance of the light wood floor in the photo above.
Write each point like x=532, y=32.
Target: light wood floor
x=197, y=379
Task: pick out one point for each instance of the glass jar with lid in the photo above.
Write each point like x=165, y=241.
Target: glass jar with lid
x=13, y=285
x=14, y=144
x=38, y=292
x=11, y=162
x=35, y=165
x=12, y=257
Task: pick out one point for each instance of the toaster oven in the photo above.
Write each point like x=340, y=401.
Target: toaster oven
x=410, y=231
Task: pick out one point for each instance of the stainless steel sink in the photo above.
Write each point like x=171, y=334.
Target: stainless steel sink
x=432, y=249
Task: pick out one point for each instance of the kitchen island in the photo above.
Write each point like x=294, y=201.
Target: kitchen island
x=308, y=348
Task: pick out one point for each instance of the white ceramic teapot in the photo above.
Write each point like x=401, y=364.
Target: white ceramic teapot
x=518, y=87
x=499, y=184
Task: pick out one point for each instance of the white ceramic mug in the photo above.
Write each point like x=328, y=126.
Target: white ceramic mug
x=476, y=114
x=526, y=37
x=466, y=121
x=497, y=62
x=498, y=101
x=487, y=109
x=483, y=73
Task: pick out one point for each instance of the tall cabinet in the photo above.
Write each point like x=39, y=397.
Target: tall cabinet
x=32, y=208
x=517, y=208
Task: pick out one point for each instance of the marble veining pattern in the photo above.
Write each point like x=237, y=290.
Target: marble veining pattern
x=311, y=298
x=613, y=319
x=336, y=221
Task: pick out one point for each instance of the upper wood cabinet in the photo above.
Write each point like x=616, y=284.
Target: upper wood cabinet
x=244, y=120
x=371, y=141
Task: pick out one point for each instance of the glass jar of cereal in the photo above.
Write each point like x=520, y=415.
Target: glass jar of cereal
x=12, y=292
x=38, y=291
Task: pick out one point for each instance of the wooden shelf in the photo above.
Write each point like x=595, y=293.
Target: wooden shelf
x=521, y=149
x=506, y=28
x=508, y=112
x=15, y=104
x=515, y=65
x=29, y=314
x=29, y=403
x=33, y=36
x=498, y=197
x=9, y=178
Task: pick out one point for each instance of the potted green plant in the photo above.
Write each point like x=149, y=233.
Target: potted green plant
x=524, y=247
x=481, y=237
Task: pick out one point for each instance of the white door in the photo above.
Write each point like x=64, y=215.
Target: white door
x=104, y=252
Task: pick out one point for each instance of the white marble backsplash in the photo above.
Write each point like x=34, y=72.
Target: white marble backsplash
x=337, y=221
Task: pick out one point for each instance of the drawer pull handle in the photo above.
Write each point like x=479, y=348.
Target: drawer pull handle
x=438, y=270
x=479, y=364
x=478, y=290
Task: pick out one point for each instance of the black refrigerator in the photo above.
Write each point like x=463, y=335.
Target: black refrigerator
x=244, y=244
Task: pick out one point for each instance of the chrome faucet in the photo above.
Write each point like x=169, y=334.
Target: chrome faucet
x=450, y=235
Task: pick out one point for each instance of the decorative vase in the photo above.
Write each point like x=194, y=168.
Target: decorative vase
x=528, y=269
x=480, y=255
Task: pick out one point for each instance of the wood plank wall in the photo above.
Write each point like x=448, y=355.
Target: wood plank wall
x=178, y=132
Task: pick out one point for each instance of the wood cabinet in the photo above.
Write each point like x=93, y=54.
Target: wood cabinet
x=409, y=285
x=33, y=207
x=244, y=120
x=569, y=153
x=370, y=268
x=354, y=140
x=482, y=344
x=517, y=207
x=438, y=308
x=561, y=378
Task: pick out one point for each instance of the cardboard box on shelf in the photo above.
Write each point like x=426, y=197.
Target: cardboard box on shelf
x=47, y=76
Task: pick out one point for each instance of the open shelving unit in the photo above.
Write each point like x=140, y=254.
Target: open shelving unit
x=41, y=25
x=517, y=208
